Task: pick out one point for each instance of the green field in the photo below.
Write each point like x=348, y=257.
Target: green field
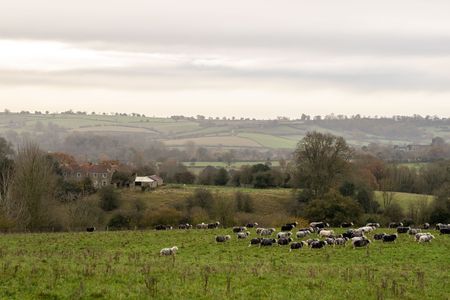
x=405, y=200
x=264, y=134
x=127, y=265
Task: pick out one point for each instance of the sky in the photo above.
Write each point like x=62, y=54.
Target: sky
x=253, y=58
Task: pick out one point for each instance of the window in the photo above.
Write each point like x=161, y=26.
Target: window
x=104, y=183
x=105, y=175
x=78, y=174
x=95, y=174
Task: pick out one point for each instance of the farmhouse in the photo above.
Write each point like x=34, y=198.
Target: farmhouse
x=100, y=174
x=158, y=179
x=143, y=182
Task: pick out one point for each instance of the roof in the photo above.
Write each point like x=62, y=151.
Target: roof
x=155, y=177
x=143, y=179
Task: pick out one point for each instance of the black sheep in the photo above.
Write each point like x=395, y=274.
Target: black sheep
x=389, y=238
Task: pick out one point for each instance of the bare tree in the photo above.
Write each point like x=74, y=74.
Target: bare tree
x=32, y=190
x=386, y=187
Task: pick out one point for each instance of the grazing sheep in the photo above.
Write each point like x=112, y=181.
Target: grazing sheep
x=413, y=231
x=389, y=238
x=366, y=229
x=395, y=224
x=222, y=238
x=255, y=241
x=358, y=238
x=243, y=235
x=361, y=243
x=318, y=244
x=340, y=241
x=444, y=231
x=318, y=225
x=402, y=229
x=330, y=241
x=185, y=226
x=283, y=235
x=91, y=229
x=213, y=225
x=297, y=245
x=267, y=242
x=440, y=226
x=301, y=234
x=287, y=227
x=267, y=231
x=252, y=225
x=326, y=233
x=168, y=251
x=310, y=241
x=376, y=225
x=379, y=236
x=284, y=241
x=237, y=229
x=346, y=224
x=426, y=238
x=426, y=226
x=202, y=226
x=418, y=235
x=259, y=230
x=163, y=227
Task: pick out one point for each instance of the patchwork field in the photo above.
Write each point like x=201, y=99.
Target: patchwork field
x=127, y=265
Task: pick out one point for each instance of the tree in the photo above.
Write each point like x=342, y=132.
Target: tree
x=320, y=159
x=109, y=199
x=33, y=189
x=207, y=176
x=221, y=177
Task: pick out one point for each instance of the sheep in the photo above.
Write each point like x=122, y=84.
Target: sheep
x=418, y=235
x=284, y=241
x=346, y=224
x=252, y=225
x=91, y=229
x=340, y=241
x=222, y=238
x=185, y=226
x=413, y=231
x=330, y=241
x=310, y=241
x=267, y=242
x=243, y=235
x=297, y=245
x=395, y=224
x=255, y=241
x=440, y=226
x=426, y=238
x=366, y=229
x=376, y=225
x=379, y=236
x=237, y=229
x=301, y=234
x=259, y=229
x=358, y=238
x=268, y=231
x=388, y=238
x=402, y=229
x=168, y=251
x=444, y=231
x=202, y=226
x=361, y=243
x=213, y=225
x=287, y=227
x=318, y=244
x=283, y=235
x=326, y=233
x=426, y=226
x=163, y=227
x=318, y=225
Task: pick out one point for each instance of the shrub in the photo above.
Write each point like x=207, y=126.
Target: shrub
x=109, y=198
x=393, y=212
x=244, y=202
x=119, y=221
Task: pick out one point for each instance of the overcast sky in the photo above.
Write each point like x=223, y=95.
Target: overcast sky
x=226, y=58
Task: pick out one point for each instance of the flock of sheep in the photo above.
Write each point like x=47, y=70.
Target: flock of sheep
x=323, y=235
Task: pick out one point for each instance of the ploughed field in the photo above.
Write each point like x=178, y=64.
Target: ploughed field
x=127, y=265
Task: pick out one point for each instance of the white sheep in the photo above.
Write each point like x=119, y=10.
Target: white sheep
x=168, y=251
x=326, y=233
x=243, y=235
x=284, y=235
x=426, y=238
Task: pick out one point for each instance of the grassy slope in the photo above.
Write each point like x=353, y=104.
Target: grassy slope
x=404, y=199
x=284, y=134
x=126, y=265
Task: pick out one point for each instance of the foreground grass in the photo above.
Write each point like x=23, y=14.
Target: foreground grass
x=126, y=265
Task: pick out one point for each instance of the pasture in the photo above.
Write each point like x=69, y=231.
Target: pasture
x=127, y=265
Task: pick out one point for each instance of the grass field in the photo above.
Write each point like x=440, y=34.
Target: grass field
x=126, y=265
x=405, y=199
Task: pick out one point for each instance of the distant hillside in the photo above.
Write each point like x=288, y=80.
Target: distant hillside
x=257, y=134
